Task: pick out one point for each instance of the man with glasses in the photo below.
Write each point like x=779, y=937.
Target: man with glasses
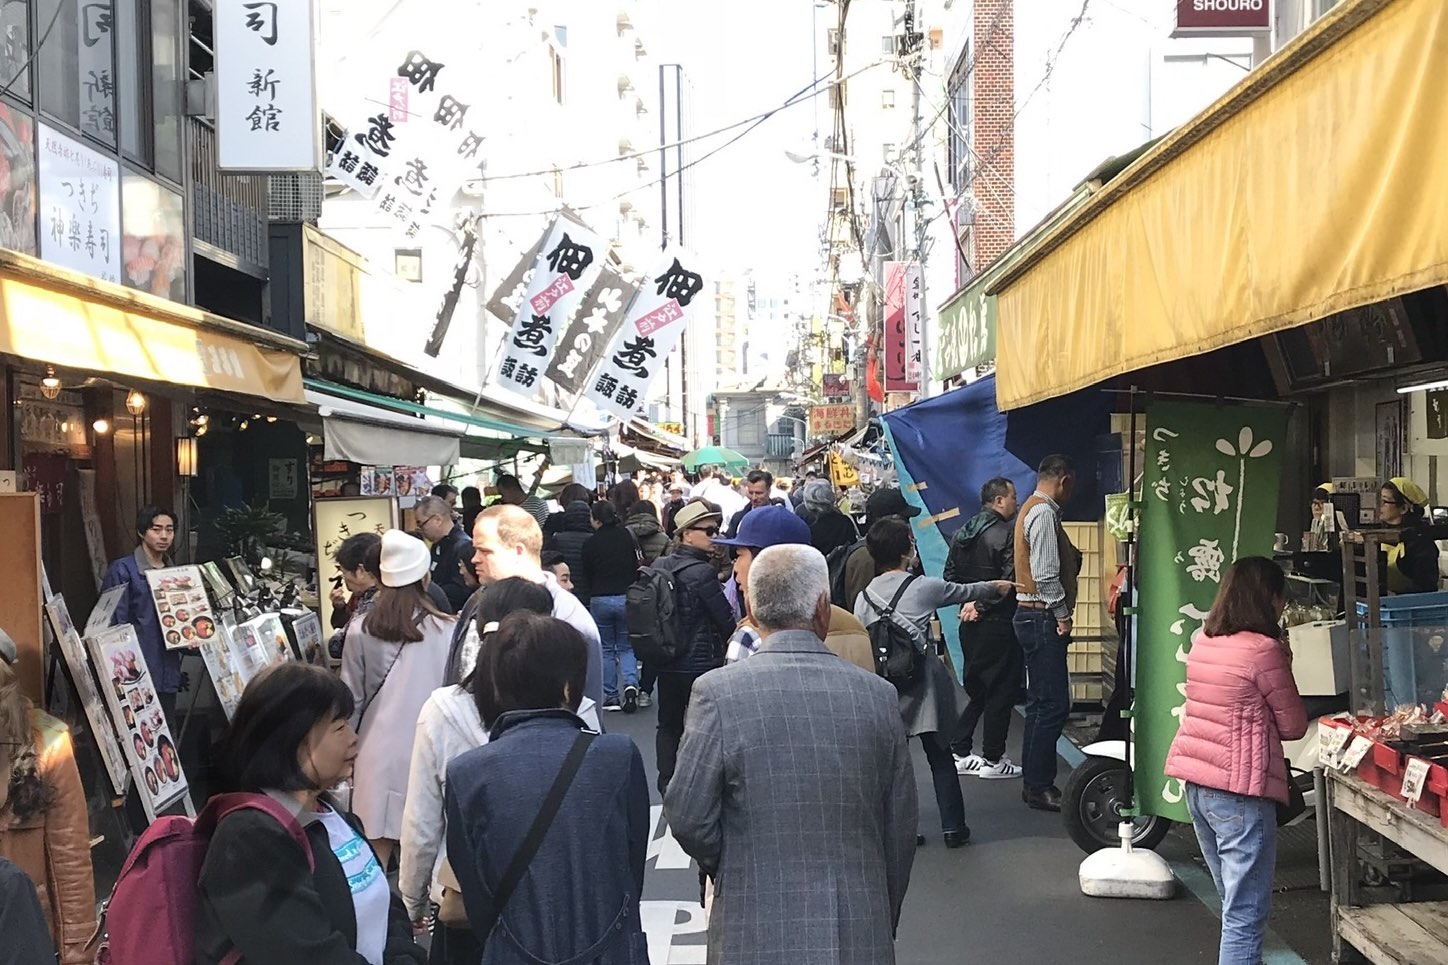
x=451, y=549
x=706, y=618
x=156, y=528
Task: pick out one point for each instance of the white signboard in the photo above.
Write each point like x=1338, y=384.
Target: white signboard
x=96, y=714
x=914, y=323
x=267, y=117
x=80, y=206
x=568, y=264
x=665, y=302
x=182, y=607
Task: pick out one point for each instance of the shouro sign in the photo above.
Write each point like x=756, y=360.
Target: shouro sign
x=1222, y=18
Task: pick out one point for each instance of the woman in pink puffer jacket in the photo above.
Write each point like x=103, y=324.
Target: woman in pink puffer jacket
x=1242, y=702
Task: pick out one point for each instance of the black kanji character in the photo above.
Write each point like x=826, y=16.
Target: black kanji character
x=265, y=117
x=606, y=386
x=262, y=19
x=627, y=397
x=532, y=334
x=348, y=162
x=388, y=200
x=527, y=375
x=509, y=366
x=468, y=149
x=450, y=112
x=419, y=71
x=679, y=283
x=263, y=84
x=367, y=174
x=570, y=258
x=634, y=354
x=96, y=19
x=379, y=136
x=415, y=178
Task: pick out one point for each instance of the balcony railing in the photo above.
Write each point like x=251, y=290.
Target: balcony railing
x=230, y=209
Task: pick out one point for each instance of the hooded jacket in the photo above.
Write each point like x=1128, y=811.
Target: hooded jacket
x=650, y=535
x=577, y=528
x=984, y=549
x=447, y=726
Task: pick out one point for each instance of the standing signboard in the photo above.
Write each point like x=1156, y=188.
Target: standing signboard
x=80, y=207
x=657, y=317
x=267, y=118
x=182, y=606
x=335, y=519
x=86, y=689
x=136, y=709
x=1210, y=498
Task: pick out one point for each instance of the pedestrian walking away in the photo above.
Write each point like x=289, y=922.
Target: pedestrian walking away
x=984, y=549
x=611, y=557
x=1242, y=703
x=746, y=801
x=1047, y=567
x=932, y=703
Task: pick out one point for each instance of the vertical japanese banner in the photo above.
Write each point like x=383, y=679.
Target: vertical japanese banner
x=1212, y=475
x=914, y=289
x=267, y=117
x=568, y=264
x=662, y=308
x=895, y=327
x=597, y=322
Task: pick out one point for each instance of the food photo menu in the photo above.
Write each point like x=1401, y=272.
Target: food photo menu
x=182, y=606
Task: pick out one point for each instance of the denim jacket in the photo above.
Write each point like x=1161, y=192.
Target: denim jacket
x=138, y=608
x=578, y=902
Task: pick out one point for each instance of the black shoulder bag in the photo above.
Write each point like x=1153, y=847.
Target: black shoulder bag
x=536, y=833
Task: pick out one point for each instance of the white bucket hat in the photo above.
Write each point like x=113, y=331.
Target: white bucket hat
x=405, y=559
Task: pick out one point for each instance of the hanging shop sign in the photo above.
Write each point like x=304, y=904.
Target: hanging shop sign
x=182, y=606
x=836, y=386
x=657, y=317
x=1211, y=492
x=80, y=207
x=136, y=709
x=967, y=332
x=597, y=322
x=267, y=117
x=904, y=326
x=569, y=263
x=86, y=689
x=335, y=519
x=1222, y=18
x=509, y=295
x=831, y=420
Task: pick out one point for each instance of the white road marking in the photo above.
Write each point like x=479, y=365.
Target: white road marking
x=663, y=847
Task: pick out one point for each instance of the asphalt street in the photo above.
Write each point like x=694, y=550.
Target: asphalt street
x=1011, y=895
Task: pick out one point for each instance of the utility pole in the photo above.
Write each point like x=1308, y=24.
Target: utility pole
x=911, y=64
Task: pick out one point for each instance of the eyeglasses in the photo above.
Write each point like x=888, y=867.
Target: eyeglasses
x=707, y=530
x=1390, y=502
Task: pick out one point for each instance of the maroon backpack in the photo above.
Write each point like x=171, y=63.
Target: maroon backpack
x=151, y=916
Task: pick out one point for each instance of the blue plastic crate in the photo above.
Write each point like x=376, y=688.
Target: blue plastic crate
x=1410, y=609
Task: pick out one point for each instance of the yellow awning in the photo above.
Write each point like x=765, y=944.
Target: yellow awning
x=1313, y=187
x=50, y=315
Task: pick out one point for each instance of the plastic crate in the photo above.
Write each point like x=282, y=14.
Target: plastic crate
x=1410, y=609
x=1415, y=664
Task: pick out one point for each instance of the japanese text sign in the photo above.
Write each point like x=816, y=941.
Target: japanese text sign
x=903, y=326
x=1210, y=497
x=568, y=264
x=334, y=520
x=80, y=207
x=597, y=322
x=831, y=420
x=267, y=117
x=1222, y=18
x=663, y=306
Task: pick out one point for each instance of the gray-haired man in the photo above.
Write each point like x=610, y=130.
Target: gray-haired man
x=451, y=548
x=769, y=906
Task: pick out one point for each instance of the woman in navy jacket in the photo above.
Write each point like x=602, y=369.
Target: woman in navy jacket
x=578, y=900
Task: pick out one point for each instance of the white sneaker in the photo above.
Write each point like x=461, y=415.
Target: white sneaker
x=1001, y=770
x=969, y=765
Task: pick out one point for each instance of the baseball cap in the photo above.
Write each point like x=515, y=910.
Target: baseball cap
x=889, y=501
x=694, y=513
x=769, y=526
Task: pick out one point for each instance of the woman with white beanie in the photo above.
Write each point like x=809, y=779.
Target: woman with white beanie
x=393, y=660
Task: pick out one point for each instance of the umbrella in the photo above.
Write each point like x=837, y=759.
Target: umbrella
x=715, y=456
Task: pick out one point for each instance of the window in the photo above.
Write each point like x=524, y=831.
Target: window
x=77, y=66
x=168, y=84
x=887, y=98
x=153, y=244
x=958, y=147
x=131, y=51
x=887, y=44
x=556, y=60
x=15, y=47
x=407, y=264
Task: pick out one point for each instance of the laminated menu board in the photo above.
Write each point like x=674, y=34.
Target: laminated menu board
x=130, y=692
x=307, y=631
x=265, y=639
x=96, y=713
x=182, y=606
x=226, y=668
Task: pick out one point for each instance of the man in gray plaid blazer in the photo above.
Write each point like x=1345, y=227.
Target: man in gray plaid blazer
x=794, y=788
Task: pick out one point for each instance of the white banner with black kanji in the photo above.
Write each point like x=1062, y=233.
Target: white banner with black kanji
x=667, y=299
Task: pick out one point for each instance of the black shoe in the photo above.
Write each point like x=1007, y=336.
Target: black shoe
x=630, y=699
x=919, y=840
x=955, y=839
x=1042, y=799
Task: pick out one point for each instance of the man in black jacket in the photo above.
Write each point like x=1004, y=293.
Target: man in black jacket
x=451, y=549
x=984, y=549
x=707, y=620
x=759, y=487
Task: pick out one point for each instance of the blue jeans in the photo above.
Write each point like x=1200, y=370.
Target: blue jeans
x=611, y=615
x=1048, y=694
x=1238, y=835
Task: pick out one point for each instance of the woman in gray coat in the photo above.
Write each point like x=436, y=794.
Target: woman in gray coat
x=393, y=660
x=932, y=704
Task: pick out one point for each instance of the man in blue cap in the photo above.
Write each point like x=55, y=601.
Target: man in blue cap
x=776, y=526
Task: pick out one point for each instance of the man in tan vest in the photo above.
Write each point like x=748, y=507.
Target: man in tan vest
x=1047, y=566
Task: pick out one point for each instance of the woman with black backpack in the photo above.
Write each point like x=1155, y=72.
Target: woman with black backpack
x=931, y=700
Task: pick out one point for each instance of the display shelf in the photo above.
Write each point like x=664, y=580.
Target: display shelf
x=1398, y=934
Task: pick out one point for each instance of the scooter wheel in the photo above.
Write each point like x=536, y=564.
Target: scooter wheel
x=1091, y=806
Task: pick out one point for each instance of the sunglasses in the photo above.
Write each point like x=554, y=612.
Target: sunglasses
x=707, y=530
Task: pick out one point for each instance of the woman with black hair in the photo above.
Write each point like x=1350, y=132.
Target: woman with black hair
x=257, y=894
x=610, y=562
x=577, y=899
x=447, y=726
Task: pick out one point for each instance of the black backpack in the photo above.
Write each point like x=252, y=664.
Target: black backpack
x=655, y=629
x=894, y=647
x=837, y=560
